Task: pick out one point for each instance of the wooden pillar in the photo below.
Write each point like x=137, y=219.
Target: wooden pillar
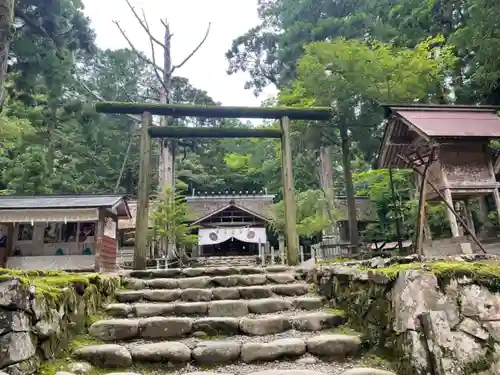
x=483, y=216
x=468, y=215
x=291, y=236
x=427, y=228
x=141, y=221
x=496, y=195
x=451, y=217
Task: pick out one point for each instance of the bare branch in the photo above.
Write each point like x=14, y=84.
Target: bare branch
x=151, y=40
x=194, y=51
x=136, y=51
x=144, y=25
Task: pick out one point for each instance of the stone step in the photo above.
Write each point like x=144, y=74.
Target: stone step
x=204, y=271
x=205, y=294
x=211, y=352
x=161, y=328
x=232, y=308
x=209, y=281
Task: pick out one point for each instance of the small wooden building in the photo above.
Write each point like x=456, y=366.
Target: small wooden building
x=230, y=225
x=365, y=214
x=66, y=232
x=458, y=138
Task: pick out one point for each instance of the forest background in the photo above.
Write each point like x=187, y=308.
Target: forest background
x=351, y=54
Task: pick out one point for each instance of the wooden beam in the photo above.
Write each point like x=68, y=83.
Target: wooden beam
x=448, y=204
x=187, y=110
x=421, y=206
x=291, y=236
x=185, y=132
x=141, y=223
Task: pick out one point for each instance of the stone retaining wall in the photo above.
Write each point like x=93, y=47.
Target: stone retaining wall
x=440, y=318
x=36, y=324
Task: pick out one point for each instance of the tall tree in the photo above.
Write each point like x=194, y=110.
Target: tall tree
x=6, y=32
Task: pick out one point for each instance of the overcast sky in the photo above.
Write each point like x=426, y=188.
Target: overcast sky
x=188, y=22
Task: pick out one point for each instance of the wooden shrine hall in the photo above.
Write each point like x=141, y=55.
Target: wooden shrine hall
x=229, y=225
x=453, y=142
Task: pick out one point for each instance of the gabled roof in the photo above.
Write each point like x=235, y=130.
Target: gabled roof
x=34, y=202
x=406, y=122
x=451, y=121
x=201, y=206
x=230, y=205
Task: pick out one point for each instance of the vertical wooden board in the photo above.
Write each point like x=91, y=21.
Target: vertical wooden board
x=141, y=225
x=291, y=235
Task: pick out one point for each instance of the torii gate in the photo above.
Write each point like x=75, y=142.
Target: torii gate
x=146, y=110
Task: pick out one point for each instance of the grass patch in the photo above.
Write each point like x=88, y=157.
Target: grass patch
x=61, y=363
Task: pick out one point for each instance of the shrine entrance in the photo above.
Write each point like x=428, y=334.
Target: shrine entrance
x=230, y=247
x=232, y=229
x=146, y=110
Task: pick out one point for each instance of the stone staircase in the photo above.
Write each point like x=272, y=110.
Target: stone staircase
x=231, y=320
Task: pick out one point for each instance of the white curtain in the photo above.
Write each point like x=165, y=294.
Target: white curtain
x=209, y=236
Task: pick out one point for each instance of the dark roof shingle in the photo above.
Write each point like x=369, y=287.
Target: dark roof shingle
x=58, y=201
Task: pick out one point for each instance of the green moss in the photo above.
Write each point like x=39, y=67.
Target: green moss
x=337, y=312
x=61, y=363
x=483, y=363
x=484, y=273
x=50, y=284
x=334, y=261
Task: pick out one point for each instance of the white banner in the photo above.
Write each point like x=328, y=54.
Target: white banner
x=210, y=236
x=110, y=228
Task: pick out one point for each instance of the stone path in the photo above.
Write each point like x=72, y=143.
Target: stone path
x=235, y=320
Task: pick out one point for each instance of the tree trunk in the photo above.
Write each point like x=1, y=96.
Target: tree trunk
x=326, y=183
x=167, y=159
x=349, y=187
x=6, y=20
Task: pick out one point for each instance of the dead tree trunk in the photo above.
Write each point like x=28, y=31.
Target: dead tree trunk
x=166, y=168
x=166, y=174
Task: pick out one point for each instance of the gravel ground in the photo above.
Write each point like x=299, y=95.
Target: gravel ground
x=191, y=342
x=312, y=364
x=288, y=313
x=306, y=362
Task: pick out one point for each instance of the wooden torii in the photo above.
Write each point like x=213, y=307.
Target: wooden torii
x=146, y=110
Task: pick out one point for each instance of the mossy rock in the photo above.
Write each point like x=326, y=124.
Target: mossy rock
x=484, y=273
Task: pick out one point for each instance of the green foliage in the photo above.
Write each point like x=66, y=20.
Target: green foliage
x=312, y=217
x=169, y=220
x=335, y=71
x=376, y=185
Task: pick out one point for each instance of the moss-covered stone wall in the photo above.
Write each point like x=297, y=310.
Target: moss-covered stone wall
x=40, y=313
x=433, y=317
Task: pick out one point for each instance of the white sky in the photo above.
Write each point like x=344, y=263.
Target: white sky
x=188, y=22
